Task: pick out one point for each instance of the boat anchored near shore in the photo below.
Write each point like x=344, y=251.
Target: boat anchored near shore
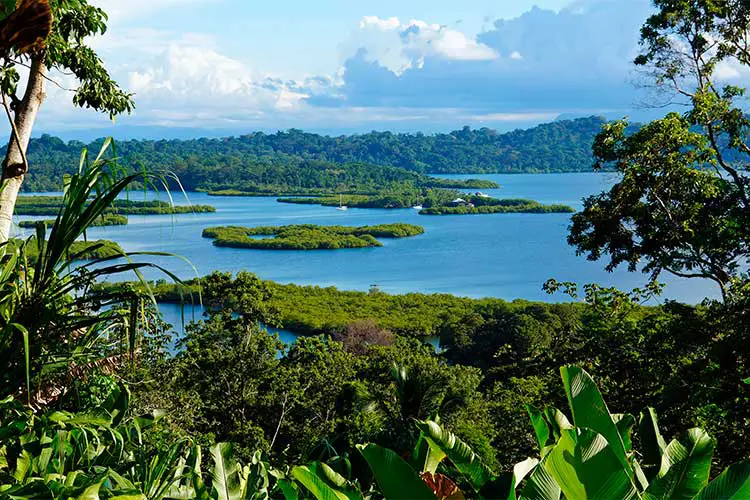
x=341, y=203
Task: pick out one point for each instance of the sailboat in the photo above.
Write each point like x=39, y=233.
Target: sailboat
x=341, y=203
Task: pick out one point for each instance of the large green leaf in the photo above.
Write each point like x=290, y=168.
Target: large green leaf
x=426, y=457
x=324, y=483
x=541, y=429
x=733, y=483
x=257, y=477
x=652, y=443
x=504, y=487
x=557, y=422
x=91, y=493
x=686, y=467
x=225, y=474
x=591, y=412
x=585, y=467
x=397, y=480
x=522, y=469
x=625, y=423
x=459, y=453
x=541, y=485
x=288, y=488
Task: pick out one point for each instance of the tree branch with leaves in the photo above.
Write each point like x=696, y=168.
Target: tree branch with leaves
x=682, y=204
x=43, y=36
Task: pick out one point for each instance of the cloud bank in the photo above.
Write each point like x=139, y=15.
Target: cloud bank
x=395, y=74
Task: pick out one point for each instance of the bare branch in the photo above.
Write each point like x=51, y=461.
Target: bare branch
x=52, y=81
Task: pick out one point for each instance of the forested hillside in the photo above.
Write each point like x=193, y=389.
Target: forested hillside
x=303, y=160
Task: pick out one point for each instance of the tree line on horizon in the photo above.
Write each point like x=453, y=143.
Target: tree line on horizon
x=301, y=159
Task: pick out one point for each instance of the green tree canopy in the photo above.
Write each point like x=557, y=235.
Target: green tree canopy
x=28, y=40
x=682, y=203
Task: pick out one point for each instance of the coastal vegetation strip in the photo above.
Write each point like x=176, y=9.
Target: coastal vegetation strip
x=507, y=206
x=85, y=250
x=404, y=200
x=104, y=220
x=387, y=198
x=50, y=205
x=308, y=236
x=435, y=202
x=313, y=310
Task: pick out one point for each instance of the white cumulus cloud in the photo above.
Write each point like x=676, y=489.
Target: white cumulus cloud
x=210, y=85
x=400, y=46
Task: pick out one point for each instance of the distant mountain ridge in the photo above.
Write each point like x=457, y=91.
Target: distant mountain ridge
x=263, y=159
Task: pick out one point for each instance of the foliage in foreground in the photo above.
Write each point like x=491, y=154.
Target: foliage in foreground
x=516, y=347
x=101, y=454
x=308, y=236
x=51, y=326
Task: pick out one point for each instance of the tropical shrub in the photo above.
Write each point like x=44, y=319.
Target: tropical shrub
x=52, y=327
x=590, y=457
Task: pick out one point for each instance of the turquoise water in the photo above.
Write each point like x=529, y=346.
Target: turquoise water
x=498, y=255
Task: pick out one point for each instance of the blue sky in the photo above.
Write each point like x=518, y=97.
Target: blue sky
x=213, y=67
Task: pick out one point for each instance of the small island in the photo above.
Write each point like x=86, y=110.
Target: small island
x=473, y=205
x=308, y=236
x=104, y=220
x=50, y=205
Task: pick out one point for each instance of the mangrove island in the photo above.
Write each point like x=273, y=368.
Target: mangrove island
x=308, y=236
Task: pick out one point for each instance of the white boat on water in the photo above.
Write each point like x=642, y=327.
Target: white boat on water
x=417, y=207
x=341, y=203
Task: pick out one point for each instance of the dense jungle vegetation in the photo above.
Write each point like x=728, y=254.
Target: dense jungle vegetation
x=231, y=171
x=99, y=400
x=282, y=162
x=308, y=236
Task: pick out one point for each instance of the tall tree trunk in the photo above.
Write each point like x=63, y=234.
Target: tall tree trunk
x=14, y=167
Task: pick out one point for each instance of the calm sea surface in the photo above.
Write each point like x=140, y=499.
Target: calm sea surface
x=507, y=256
